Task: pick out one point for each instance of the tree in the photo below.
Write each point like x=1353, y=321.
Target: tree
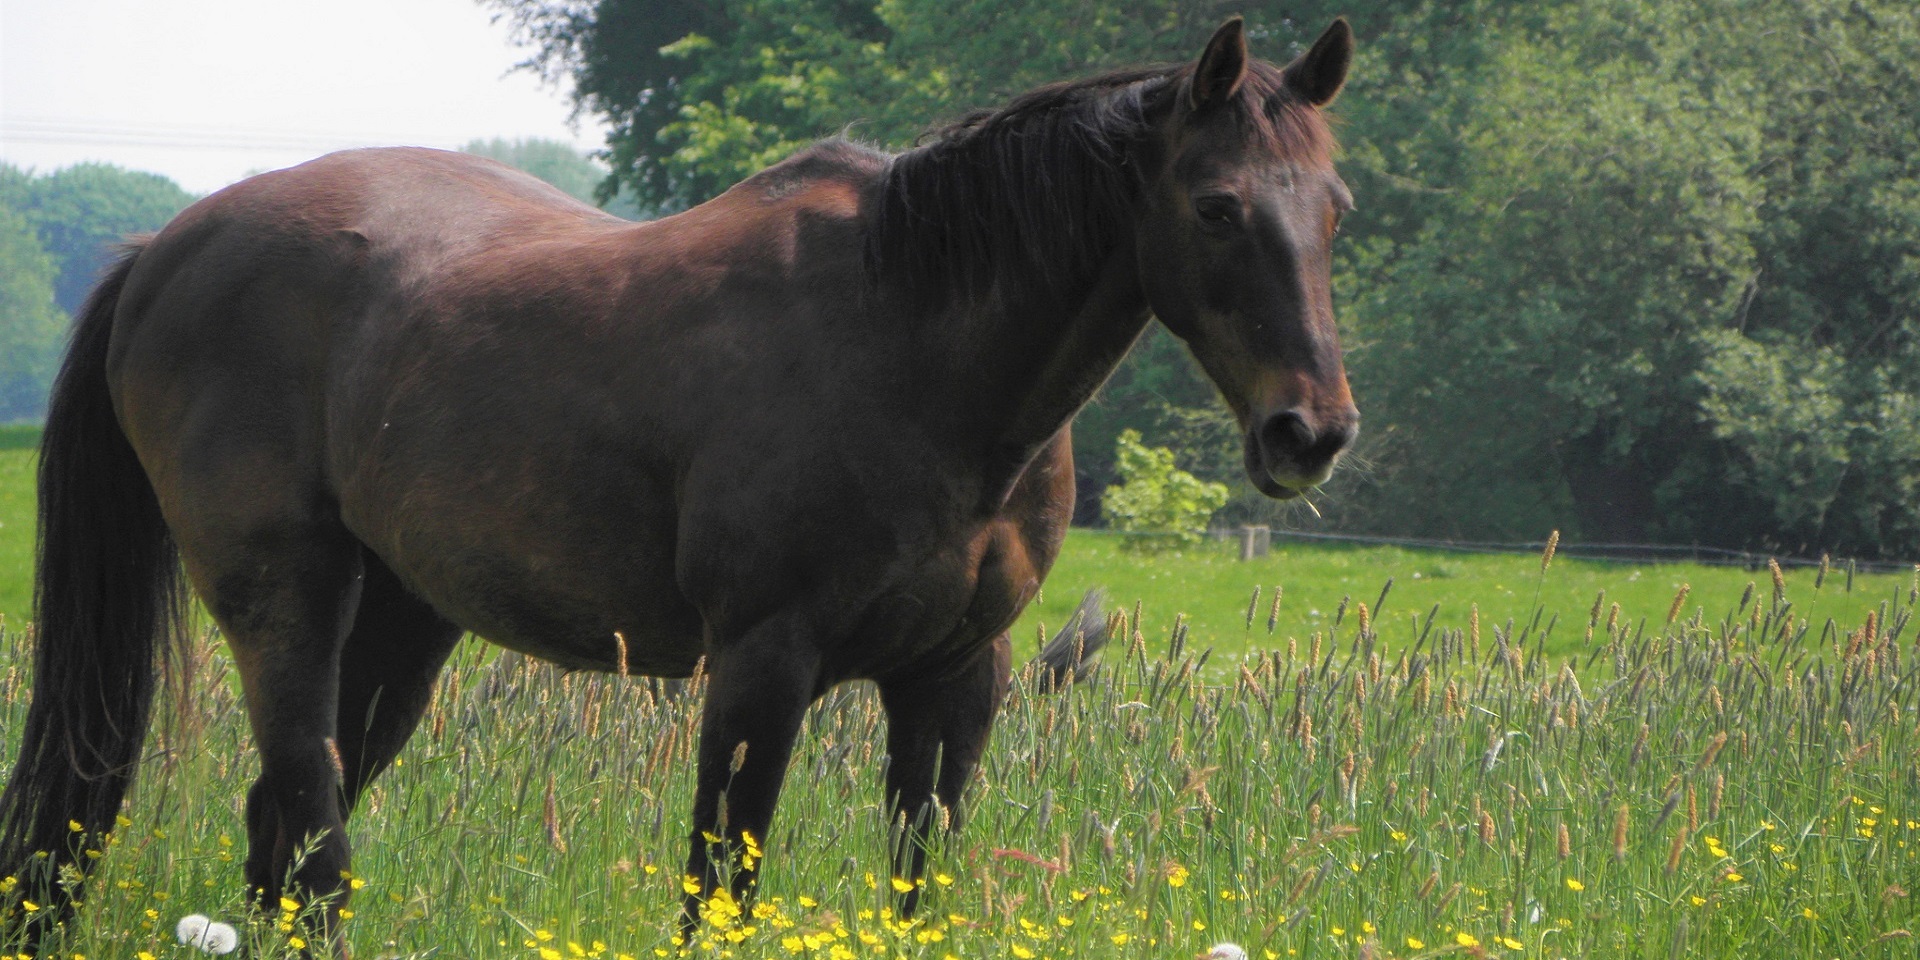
x=698, y=94
x=1672, y=256
x=666, y=74
x=83, y=212
x=1812, y=390
x=558, y=164
x=30, y=324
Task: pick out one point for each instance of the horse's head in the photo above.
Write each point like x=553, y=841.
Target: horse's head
x=1241, y=207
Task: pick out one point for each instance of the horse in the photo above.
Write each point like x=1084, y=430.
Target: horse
x=813, y=431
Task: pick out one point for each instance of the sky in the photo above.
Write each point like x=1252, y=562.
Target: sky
x=208, y=92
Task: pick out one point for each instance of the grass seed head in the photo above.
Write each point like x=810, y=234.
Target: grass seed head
x=1620, y=833
x=1679, y=600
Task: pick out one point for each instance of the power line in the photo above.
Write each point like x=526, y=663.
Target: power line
x=194, y=137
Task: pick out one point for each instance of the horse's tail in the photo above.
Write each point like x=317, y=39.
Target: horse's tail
x=1068, y=657
x=107, y=603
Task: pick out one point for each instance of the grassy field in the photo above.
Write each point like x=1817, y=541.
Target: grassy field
x=1730, y=776
x=1211, y=591
x=16, y=523
x=1736, y=785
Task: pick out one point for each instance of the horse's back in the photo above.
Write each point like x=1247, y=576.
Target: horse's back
x=492, y=387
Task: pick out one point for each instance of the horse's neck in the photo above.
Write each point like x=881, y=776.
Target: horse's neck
x=1022, y=371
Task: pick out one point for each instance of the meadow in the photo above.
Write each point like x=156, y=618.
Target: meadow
x=1721, y=772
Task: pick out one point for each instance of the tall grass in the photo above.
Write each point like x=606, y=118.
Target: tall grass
x=1728, y=786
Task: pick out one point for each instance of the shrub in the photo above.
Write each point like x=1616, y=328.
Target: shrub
x=1165, y=504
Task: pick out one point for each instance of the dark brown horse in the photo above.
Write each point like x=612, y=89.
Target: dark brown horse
x=813, y=431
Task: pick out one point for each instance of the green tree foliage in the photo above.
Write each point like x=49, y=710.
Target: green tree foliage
x=1165, y=504
x=556, y=163
x=697, y=94
x=30, y=323
x=1667, y=288
x=83, y=212
x=1637, y=269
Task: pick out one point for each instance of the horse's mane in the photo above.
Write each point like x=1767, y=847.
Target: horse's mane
x=1030, y=198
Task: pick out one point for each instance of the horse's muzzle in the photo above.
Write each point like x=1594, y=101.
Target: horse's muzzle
x=1294, y=450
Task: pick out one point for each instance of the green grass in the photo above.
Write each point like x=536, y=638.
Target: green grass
x=1724, y=786
x=16, y=529
x=1210, y=589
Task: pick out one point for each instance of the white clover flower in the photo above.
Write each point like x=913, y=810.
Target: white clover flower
x=1226, y=951
x=195, y=930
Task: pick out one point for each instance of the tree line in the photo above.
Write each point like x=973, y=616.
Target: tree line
x=1643, y=270
x=57, y=231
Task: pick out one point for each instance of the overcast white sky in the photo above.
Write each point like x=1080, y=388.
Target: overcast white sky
x=208, y=91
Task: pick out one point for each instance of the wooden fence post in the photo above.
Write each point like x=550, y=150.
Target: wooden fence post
x=1255, y=541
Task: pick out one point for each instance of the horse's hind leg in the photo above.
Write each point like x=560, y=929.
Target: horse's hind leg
x=937, y=731
x=284, y=588
x=396, y=649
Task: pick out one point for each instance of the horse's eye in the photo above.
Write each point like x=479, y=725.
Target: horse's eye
x=1217, y=209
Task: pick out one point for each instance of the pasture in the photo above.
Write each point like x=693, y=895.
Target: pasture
x=1719, y=777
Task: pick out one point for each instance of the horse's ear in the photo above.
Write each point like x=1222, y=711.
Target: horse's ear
x=1222, y=66
x=1320, y=72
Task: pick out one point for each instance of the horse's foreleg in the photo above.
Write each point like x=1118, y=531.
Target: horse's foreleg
x=936, y=733
x=760, y=688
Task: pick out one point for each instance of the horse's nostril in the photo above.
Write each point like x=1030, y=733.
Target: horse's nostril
x=1338, y=436
x=1296, y=440
x=1286, y=432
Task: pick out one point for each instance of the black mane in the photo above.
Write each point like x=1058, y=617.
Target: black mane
x=1029, y=199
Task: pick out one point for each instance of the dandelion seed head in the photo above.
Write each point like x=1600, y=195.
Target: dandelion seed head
x=1225, y=951
x=212, y=936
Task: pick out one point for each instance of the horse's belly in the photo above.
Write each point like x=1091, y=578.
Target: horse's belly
x=577, y=595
